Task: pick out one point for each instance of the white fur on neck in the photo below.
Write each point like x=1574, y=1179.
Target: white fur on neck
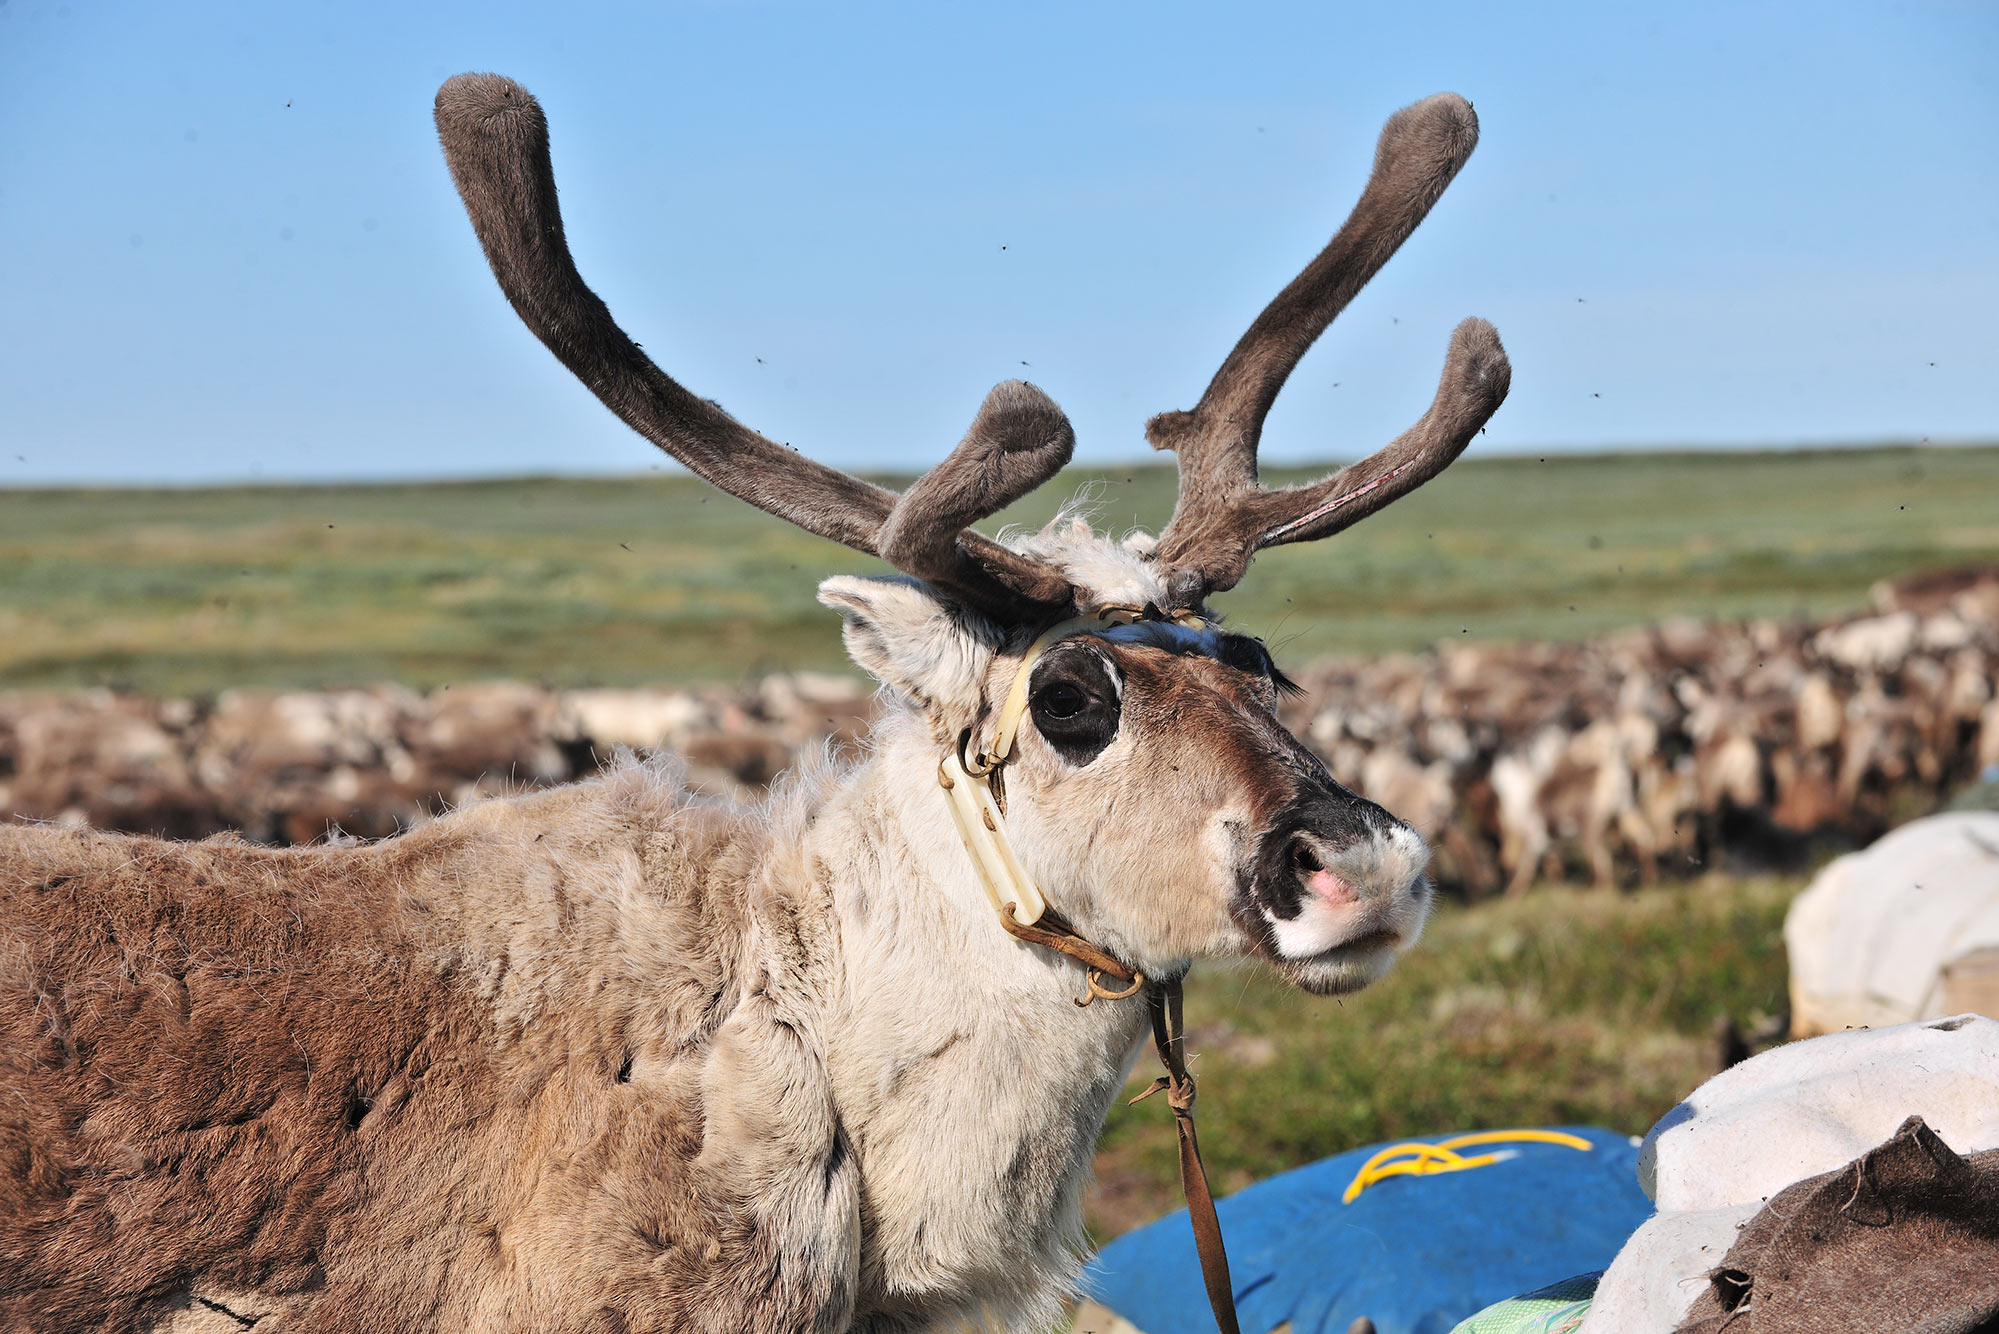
x=972, y=1086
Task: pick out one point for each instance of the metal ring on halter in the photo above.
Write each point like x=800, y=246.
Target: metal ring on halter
x=977, y=768
x=1098, y=992
x=985, y=768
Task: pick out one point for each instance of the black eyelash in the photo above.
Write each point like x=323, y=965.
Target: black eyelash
x=1284, y=684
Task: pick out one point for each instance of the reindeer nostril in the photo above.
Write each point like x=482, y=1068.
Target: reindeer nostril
x=1303, y=859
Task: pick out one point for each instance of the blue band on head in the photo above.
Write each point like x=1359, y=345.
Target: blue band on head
x=1169, y=635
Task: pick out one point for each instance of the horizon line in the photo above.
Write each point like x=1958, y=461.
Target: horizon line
x=671, y=468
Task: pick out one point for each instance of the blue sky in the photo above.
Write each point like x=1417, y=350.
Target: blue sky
x=232, y=251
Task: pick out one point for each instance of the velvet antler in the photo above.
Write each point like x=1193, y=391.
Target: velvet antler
x=1224, y=515
x=496, y=142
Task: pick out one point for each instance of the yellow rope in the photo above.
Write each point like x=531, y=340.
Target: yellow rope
x=1414, y=1159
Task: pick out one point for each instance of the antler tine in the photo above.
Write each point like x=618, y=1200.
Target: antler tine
x=1209, y=550
x=1208, y=538
x=1474, y=384
x=1019, y=440
x=495, y=140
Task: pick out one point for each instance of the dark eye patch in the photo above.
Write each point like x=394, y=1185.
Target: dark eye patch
x=1074, y=704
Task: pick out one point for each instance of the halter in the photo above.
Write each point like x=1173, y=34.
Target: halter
x=977, y=791
x=976, y=787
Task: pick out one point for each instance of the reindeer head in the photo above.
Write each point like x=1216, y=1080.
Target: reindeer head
x=1148, y=784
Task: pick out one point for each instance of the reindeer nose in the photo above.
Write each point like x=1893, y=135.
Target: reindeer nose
x=1310, y=865
x=1338, y=879
x=1333, y=822
x=1342, y=849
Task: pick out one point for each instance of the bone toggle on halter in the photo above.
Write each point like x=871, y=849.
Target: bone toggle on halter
x=977, y=791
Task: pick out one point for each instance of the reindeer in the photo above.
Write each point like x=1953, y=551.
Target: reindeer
x=612, y=1057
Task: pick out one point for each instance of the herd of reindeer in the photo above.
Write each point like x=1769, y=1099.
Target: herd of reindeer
x=1656, y=750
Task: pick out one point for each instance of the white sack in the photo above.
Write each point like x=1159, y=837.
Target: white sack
x=1793, y=1112
x=1869, y=939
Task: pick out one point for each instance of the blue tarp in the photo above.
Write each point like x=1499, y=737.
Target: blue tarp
x=1414, y=1254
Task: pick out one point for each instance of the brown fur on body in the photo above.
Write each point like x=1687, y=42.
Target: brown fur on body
x=530, y=1066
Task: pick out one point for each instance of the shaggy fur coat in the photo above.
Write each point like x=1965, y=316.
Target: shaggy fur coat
x=605, y=1057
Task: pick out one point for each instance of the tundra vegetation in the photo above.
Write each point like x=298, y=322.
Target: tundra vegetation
x=196, y=591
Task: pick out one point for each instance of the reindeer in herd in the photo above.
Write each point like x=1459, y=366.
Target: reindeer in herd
x=613, y=1057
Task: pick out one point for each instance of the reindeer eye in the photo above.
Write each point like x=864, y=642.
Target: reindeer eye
x=1061, y=700
x=1075, y=704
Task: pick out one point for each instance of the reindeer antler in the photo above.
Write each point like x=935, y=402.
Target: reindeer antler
x=1224, y=516
x=496, y=141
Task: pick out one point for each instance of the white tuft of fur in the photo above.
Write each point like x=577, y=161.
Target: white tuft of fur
x=1104, y=570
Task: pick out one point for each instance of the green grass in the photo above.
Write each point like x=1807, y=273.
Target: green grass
x=627, y=580
x=1559, y=1006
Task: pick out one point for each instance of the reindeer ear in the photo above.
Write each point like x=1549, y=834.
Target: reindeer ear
x=914, y=641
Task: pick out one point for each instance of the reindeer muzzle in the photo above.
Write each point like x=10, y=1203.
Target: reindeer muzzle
x=1336, y=876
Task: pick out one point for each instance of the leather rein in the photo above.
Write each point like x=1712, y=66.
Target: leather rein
x=976, y=788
